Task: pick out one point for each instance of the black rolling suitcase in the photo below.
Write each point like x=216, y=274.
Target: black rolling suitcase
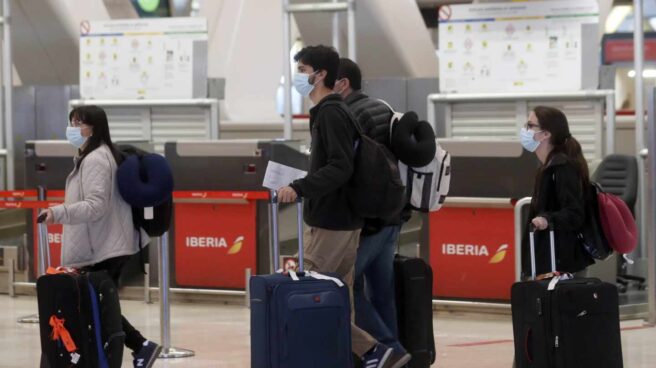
x=414, y=306
x=79, y=317
x=571, y=323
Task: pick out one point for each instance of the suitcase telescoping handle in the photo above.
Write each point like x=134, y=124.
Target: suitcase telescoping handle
x=42, y=242
x=552, y=246
x=275, y=239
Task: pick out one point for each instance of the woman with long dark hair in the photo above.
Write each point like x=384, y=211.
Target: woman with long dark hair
x=561, y=186
x=98, y=229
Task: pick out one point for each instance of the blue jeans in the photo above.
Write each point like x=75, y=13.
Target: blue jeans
x=373, y=288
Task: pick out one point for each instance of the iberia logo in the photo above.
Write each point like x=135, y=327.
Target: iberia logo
x=214, y=242
x=236, y=246
x=499, y=256
x=475, y=250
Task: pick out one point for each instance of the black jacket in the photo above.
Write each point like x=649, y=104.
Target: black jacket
x=561, y=200
x=373, y=115
x=374, y=118
x=331, y=166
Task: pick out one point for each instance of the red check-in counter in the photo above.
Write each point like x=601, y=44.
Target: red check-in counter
x=473, y=249
x=472, y=238
x=26, y=200
x=215, y=237
x=220, y=225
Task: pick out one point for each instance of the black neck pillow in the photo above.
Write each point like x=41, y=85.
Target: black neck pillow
x=413, y=141
x=145, y=180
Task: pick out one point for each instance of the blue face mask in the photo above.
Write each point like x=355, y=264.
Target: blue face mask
x=527, y=139
x=75, y=137
x=302, y=83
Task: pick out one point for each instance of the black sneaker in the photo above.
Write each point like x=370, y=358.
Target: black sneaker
x=146, y=356
x=397, y=360
x=377, y=357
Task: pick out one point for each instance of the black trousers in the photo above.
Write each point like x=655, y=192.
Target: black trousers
x=133, y=338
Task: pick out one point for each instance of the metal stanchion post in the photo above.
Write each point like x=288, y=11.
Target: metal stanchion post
x=147, y=298
x=247, y=289
x=43, y=254
x=165, y=306
x=10, y=283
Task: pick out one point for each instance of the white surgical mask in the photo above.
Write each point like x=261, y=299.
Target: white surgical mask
x=302, y=83
x=75, y=137
x=527, y=139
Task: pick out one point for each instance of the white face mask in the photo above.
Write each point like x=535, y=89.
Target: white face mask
x=302, y=83
x=75, y=137
x=527, y=139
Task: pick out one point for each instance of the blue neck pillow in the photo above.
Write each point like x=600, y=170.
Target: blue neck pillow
x=145, y=180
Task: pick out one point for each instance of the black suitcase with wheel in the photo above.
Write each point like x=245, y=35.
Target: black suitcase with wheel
x=414, y=307
x=79, y=317
x=565, y=323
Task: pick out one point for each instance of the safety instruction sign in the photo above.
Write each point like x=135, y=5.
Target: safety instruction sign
x=143, y=58
x=513, y=47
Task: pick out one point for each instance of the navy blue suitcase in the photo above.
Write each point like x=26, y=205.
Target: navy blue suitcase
x=298, y=320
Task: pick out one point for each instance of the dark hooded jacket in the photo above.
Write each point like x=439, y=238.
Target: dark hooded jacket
x=560, y=198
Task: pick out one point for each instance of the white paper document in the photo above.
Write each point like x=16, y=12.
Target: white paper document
x=279, y=175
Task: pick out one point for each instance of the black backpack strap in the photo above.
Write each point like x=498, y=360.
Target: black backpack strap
x=344, y=108
x=137, y=215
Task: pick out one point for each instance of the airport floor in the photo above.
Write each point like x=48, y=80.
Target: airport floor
x=219, y=334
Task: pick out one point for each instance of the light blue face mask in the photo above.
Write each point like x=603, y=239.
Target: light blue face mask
x=527, y=139
x=302, y=83
x=75, y=137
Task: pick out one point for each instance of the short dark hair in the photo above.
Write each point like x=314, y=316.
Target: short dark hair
x=350, y=70
x=321, y=58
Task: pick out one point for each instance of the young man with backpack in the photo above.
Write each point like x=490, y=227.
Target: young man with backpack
x=334, y=228
x=376, y=312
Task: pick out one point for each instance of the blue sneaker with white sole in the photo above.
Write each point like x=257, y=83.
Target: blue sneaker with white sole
x=147, y=355
x=377, y=357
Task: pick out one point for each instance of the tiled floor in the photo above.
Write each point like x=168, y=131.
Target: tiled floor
x=219, y=335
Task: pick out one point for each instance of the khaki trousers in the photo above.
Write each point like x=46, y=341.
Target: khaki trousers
x=335, y=251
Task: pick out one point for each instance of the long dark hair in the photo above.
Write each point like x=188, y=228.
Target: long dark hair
x=95, y=117
x=555, y=122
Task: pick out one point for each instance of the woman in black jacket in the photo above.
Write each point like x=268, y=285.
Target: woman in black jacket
x=559, y=195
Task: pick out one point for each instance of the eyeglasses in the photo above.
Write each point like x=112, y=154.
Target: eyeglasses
x=76, y=123
x=530, y=125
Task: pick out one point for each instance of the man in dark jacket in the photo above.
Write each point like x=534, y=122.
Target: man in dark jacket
x=334, y=229
x=375, y=312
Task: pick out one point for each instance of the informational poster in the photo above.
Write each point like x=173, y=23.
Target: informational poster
x=143, y=58
x=513, y=47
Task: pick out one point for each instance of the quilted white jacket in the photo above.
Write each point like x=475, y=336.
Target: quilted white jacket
x=97, y=221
